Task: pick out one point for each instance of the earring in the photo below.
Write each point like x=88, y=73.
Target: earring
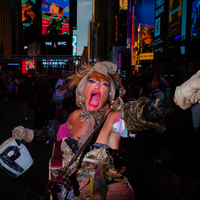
x=79, y=100
x=109, y=95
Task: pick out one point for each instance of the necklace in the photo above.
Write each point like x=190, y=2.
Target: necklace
x=98, y=115
x=87, y=115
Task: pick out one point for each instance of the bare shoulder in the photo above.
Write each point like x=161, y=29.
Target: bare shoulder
x=74, y=115
x=112, y=116
x=72, y=118
x=111, y=119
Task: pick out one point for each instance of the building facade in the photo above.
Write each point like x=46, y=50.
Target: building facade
x=10, y=27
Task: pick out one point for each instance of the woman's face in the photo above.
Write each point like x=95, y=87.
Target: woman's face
x=96, y=92
x=153, y=84
x=54, y=8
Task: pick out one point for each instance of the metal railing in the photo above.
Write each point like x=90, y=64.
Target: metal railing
x=38, y=58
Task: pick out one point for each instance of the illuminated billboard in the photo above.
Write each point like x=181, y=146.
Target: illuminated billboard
x=133, y=52
x=146, y=38
x=161, y=28
x=28, y=13
x=123, y=4
x=195, y=20
x=54, y=63
x=74, y=45
x=129, y=25
x=28, y=65
x=55, y=17
x=175, y=19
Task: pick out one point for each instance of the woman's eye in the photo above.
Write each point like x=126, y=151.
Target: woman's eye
x=91, y=81
x=106, y=84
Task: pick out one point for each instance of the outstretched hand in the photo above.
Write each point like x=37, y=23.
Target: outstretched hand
x=189, y=92
x=23, y=133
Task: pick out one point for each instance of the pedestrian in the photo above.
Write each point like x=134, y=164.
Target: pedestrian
x=2, y=97
x=149, y=86
x=134, y=88
x=170, y=87
x=30, y=102
x=162, y=80
x=52, y=79
x=60, y=92
x=97, y=174
x=185, y=150
x=40, y=94
x=146, y=147
x=13, y=85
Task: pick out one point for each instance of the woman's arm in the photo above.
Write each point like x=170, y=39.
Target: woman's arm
x=62, y=87
x=144, y=114
x=157, y=109
x=48, y=132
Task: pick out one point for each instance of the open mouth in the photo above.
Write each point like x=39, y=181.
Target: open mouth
x=94, y=98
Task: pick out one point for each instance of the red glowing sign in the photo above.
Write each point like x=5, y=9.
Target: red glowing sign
x=28, y=64
x=24, y=67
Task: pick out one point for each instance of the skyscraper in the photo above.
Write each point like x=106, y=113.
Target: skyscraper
x=10, y=29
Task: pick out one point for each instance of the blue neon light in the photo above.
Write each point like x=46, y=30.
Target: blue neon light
x=177, y=37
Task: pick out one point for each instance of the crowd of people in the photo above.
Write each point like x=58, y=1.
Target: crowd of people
x=47, y=97
x=144, y=115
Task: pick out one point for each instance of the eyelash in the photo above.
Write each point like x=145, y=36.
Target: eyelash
x=106, y=84
x=92, y=81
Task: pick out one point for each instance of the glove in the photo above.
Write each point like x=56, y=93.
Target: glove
x=22, y=133
x=189, y=92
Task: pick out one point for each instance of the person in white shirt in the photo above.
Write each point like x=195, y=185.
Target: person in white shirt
x=59, y=94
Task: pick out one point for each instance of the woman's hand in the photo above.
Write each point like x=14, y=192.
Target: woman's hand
x=22, y=133
x=189, y=92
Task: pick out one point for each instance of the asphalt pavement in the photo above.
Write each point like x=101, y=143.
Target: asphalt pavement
x=34, y=180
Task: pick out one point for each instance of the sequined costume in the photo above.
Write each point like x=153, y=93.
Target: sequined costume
x=99, y=173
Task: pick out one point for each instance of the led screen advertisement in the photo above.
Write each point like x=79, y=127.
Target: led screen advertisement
x=74, y=45
x=54, y=63
x=55, y=17
x=146, y=38
x=28, y=12
x=123, y=4
x=161, y=28
x=175, y=19
x=28, y=65
x=195, y=20
x=129, y=17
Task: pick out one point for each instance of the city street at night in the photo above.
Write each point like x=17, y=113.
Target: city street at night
x=112, y=85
